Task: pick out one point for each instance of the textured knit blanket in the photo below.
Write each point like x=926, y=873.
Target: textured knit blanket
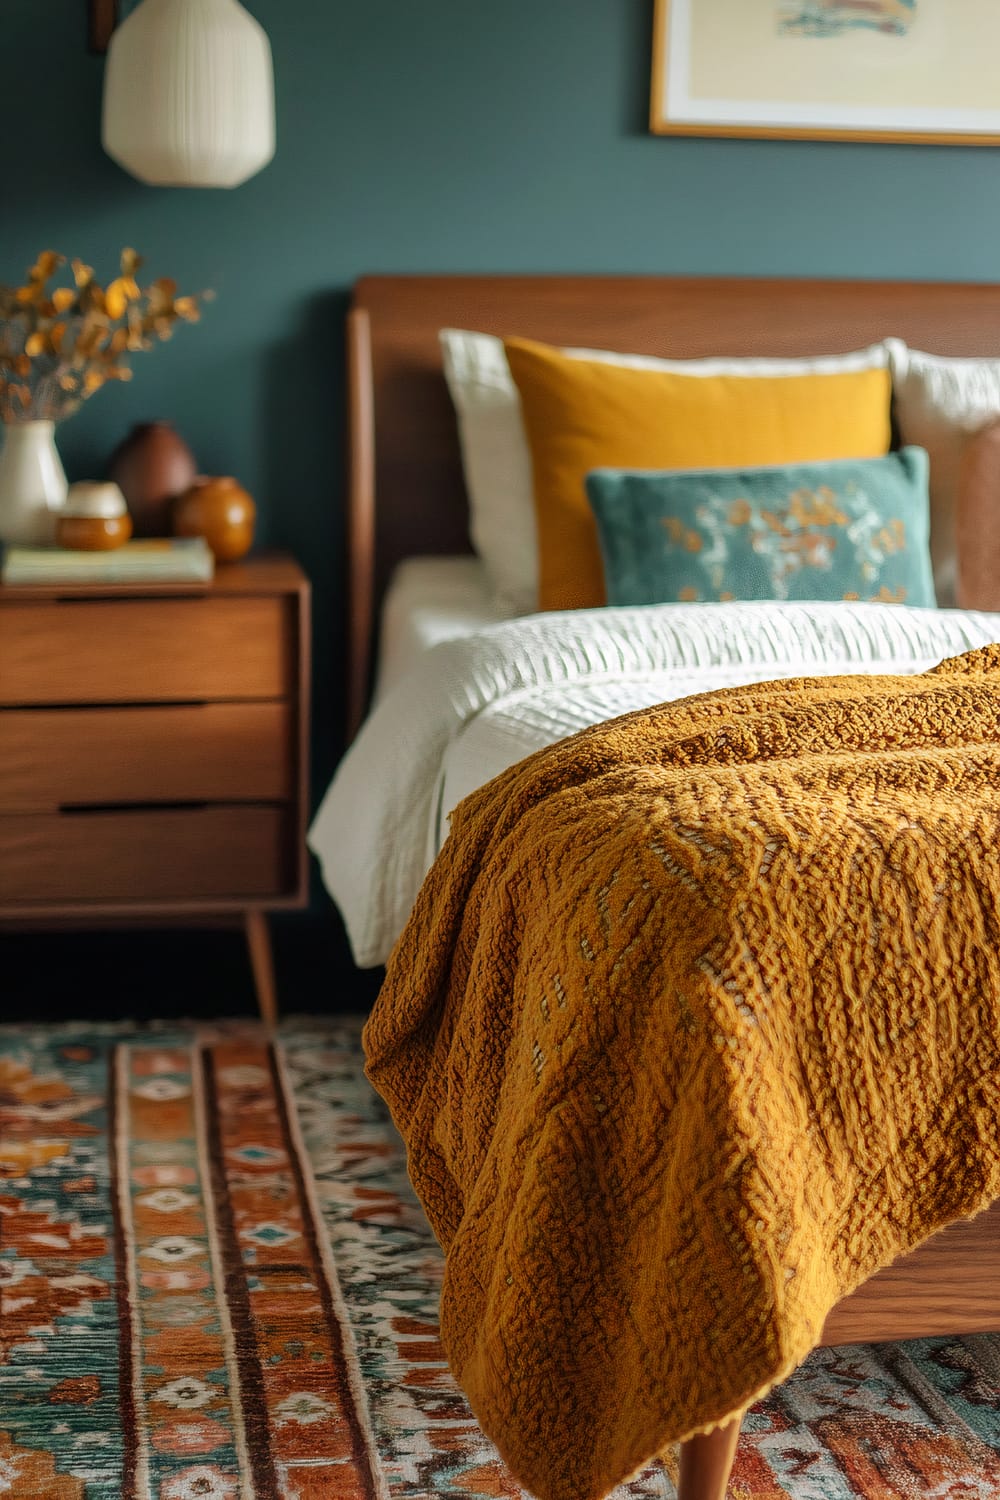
x=694, y=1026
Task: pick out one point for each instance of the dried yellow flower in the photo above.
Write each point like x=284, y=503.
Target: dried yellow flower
x=57, y=348
x=45, y=266
x=116, y=298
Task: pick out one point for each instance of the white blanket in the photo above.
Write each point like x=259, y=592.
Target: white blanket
x=475, y=705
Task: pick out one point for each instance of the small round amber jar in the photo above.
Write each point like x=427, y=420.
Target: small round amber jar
x=94, y=519
x=222, y=512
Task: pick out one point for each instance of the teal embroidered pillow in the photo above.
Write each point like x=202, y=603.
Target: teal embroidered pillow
x=846, y=529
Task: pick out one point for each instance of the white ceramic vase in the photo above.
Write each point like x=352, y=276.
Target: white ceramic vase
x=32, y=483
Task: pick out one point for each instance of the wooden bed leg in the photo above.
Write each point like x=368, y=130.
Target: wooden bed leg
x=707, y=1462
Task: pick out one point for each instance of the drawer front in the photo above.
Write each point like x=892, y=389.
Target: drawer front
x=188, y=854
x=211, y=752
x=145, y=650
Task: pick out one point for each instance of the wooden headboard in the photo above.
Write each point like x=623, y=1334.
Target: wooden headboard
x=406, y=495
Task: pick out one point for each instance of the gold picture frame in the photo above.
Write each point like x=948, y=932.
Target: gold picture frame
x=910, y=71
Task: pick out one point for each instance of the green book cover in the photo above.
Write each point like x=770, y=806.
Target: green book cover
x=164, y=560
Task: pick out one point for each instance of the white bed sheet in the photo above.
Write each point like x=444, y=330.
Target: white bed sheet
x=475, y=704
x=430, y=600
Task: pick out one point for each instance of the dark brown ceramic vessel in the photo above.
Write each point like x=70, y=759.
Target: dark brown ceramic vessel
x=152, y=467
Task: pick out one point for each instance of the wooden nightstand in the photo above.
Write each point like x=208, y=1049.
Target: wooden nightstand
x=154, y=753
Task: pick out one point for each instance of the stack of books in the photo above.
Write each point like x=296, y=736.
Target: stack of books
x=175, y=560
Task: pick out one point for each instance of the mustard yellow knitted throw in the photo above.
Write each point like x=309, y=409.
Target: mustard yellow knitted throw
x=695, y=1025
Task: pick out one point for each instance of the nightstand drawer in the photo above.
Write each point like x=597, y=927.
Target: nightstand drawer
x=182, y=854
x=209, y=752
x=146, y=650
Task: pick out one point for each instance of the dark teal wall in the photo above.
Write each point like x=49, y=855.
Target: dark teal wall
x=445, y=135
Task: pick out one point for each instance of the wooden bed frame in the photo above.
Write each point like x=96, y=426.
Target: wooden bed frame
x=406, y=497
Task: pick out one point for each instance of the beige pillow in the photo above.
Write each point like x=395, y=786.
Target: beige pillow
x=977, y=521
x=940, y=404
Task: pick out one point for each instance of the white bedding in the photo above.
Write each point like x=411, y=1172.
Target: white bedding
x=474, y=705
x=429, y=600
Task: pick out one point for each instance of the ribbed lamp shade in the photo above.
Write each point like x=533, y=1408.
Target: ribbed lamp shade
x=189, y=94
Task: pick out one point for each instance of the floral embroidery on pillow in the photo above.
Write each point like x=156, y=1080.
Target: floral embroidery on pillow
x=805, y=533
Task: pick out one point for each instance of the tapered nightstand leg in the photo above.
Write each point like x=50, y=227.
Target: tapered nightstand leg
x=707, y=1462
x=262, y=964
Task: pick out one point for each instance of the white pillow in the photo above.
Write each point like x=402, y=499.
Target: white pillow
x=496, y=458
x=496, y=463
x=940, y=404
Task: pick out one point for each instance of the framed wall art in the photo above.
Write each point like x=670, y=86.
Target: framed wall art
x=872, y=70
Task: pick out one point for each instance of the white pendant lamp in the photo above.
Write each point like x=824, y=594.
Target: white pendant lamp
x=189, y=94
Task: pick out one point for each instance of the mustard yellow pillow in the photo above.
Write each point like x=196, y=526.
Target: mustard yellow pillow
x=582, y=414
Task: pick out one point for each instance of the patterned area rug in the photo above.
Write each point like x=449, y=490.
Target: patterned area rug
x=215, y=1284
